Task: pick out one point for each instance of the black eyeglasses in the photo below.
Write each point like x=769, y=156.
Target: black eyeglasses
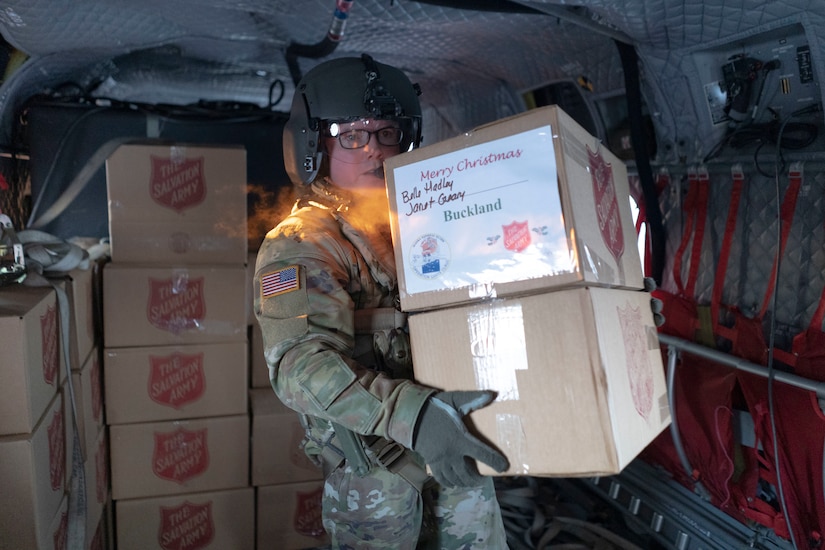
x=356, y=139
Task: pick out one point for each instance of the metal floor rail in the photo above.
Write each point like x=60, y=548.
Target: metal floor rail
x=655, y=505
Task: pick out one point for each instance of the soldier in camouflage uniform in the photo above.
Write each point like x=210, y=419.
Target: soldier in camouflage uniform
x=335, y=343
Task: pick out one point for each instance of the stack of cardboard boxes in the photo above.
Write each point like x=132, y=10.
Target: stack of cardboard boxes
x=517, y=259
x=176, y=351
x=33, y=453
x=37, y=430
x=83, y=290
x=288, y=485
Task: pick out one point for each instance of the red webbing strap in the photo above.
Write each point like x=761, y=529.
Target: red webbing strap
x=724, y=254
x=808, y=349
x=819, y=314
x=786, y=214
x=699, y=234
x=689, y=208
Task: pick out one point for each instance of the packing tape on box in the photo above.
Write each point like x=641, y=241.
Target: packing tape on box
x=499, y=350
x=600, y=267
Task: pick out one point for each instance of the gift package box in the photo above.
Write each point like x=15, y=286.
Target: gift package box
x=517, y=262
x=152, y=383
x=524, y=204
x=153, y=305
x=216, y=519
x=578, y=373
x=177, y=203
x=179, y=456
x=277, y=434
x=289, y=516
x=33, y=470
x=32, y=363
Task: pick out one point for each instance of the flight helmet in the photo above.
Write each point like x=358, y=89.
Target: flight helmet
x=346, y=89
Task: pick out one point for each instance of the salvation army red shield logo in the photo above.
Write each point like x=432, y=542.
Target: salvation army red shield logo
x=174, y=305
x=180, y=455
x=57, y=450
x=186, y=527
x=307, y=520
x=51, y=359
x=176, y=380
x=177, y=183
x=606, y=203
x=516, y=236
x=639, y=369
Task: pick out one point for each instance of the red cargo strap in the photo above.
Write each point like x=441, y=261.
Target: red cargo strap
x=786, y=214
x=746, y=334
x=800, y=429
x=679, y=309
x=808, y=357
x=724, y=254
x=786, y=219
x=699, y=235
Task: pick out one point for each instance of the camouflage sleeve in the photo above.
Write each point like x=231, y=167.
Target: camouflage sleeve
x=306, y=317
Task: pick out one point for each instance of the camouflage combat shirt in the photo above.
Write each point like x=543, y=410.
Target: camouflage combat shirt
x=313, y=271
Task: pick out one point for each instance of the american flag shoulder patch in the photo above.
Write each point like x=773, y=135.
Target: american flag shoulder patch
x=280, y=281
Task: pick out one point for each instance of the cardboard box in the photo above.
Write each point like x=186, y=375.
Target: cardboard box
x=213, y=520
x=148, y=384
x=181, y=456
x=80, y=289
x=528, y=203
x=33, y=474
x=87, y=384
x=103, y=537
x=98, y=496
x=160, y=305
x=96, y=539
x=69, y=436
x=58, y=528
x=277, y=433
x=99, y=539
x=177, y=204
x=250, y=295
x=258, y=369
x=289, y=516
x=579, y=376
x=32, y=359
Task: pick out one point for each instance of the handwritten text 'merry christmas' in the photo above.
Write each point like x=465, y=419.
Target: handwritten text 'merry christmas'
x=437, y=187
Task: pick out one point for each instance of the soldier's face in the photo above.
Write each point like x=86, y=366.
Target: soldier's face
x=362, y=168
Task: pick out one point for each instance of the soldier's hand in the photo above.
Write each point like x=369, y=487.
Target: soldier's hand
x=447, y=447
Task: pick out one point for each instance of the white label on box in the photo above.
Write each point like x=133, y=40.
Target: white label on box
x=485, y=214
x=498, y=347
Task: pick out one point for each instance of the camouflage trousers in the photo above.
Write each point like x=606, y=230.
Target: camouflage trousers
x=381, y=511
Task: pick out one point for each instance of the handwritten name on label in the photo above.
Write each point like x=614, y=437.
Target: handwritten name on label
x=437, y=189
x=434, y=192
